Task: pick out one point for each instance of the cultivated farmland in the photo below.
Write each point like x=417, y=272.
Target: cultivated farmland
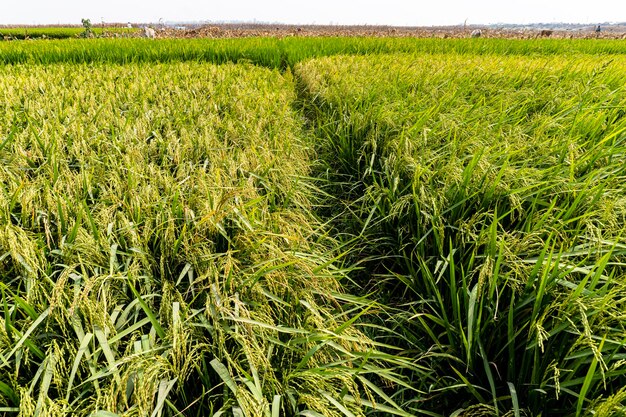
x=306, y=227
x=487, y=194
x=14, y=33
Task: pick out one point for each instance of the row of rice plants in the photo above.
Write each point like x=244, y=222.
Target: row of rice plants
x=260, y=51
x=159, y=252
x=58, y=32
x=279, y=53
x=484, y=199
x=298, y=49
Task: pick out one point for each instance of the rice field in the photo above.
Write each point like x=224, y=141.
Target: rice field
x=21, y=33
x=283, y=53
x=485, y=199
x=312, y=227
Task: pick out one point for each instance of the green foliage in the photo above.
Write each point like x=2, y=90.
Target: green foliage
x=159, y=251
x=484, y=198
x=87, y=32
x=271, y=52
x=59, y=32
x=446, y=238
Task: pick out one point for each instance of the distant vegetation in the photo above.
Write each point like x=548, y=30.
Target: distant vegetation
x=59, y=32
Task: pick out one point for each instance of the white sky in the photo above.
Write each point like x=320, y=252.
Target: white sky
x=388, y=12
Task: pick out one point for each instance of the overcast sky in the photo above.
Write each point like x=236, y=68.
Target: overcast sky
x=388, y=12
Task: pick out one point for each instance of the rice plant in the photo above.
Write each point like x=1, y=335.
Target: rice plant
x=484, y=199
x=284, y=53
x=59, y=32
x=159, y=252
x=305, y=227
